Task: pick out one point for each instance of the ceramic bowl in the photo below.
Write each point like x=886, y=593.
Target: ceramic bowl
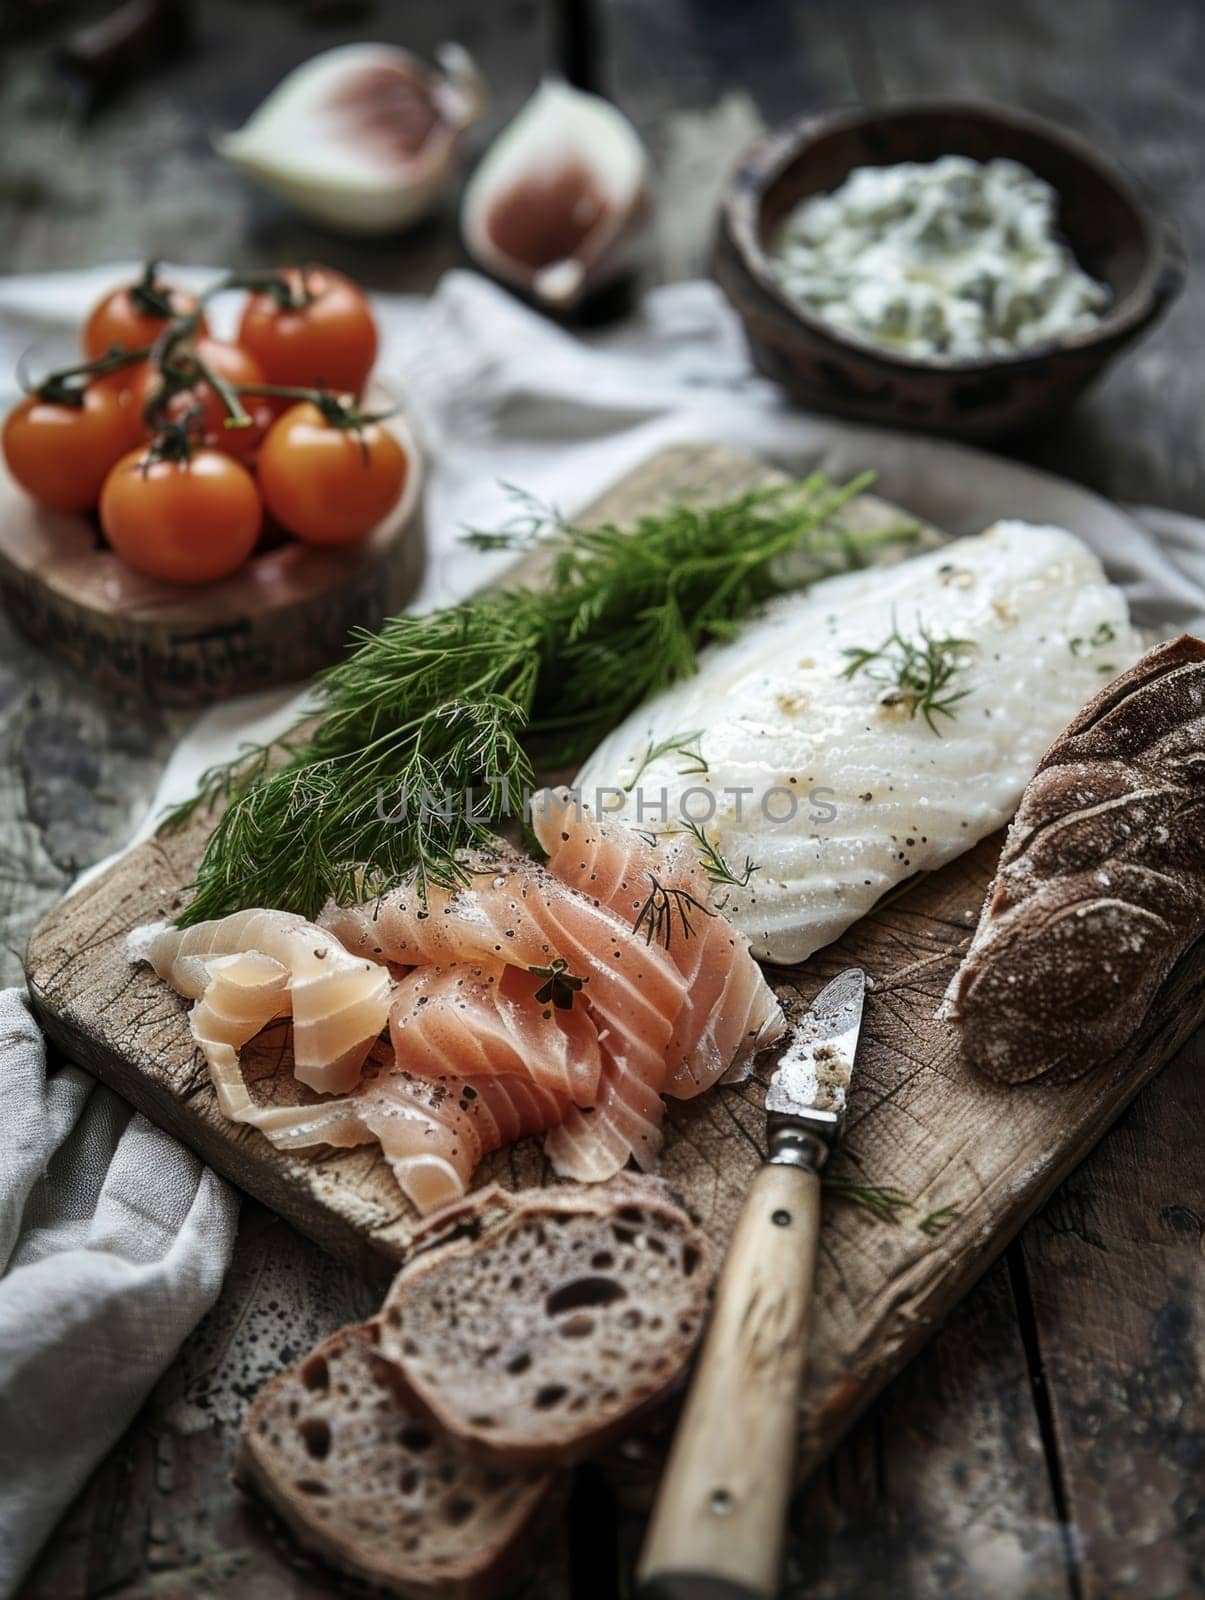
x=1111, y=229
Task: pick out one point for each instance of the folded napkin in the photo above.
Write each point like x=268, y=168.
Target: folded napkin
x=113, y=1237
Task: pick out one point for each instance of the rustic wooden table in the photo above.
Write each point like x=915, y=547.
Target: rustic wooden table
x=1051, y=1439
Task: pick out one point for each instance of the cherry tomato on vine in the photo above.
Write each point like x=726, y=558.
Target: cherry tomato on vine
x=329, y=341
x=239, y=367
x=325, y=483
x=61, y=453
x=188, y=521
x=130, y=317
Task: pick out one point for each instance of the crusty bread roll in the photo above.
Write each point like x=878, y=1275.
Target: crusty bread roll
x=1101, y=882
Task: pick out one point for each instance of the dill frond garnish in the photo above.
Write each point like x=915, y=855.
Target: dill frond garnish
x=712, y=862
x=916, y=673
x=526, y=527
x=220, y=784
x=656, y=915
x=679, y=742
x=938, y=1221
x=436, y=707
x=698, y=761
x=880, y=1201
x=559, y=986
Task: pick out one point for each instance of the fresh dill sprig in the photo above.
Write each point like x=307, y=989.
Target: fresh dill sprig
x=435, y=708
x=527, y=526
x=713, y=862
x=938, y=1221
x=679, y=742
x=879, y=1200
x=220, y=784
x=888, y=1203
x=916, y=672
x=656, y=916
x=559, y=986
x=699, y=762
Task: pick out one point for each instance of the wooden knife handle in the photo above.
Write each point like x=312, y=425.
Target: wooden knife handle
x=717, y=1527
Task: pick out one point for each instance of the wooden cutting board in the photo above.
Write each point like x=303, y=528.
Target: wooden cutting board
x=280, y=618
x=971, y=1159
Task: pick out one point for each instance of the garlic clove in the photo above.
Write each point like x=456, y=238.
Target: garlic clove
x=364, y=138
x=558, y=197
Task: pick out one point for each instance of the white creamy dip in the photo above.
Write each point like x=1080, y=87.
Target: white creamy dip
x=954, y=258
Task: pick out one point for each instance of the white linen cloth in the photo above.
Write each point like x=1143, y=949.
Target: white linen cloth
x=114, y=1241
x=113, y=1238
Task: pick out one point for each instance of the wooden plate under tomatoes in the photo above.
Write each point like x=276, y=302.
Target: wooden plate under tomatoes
x=280, y=618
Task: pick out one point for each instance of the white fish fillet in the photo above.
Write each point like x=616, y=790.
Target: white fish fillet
x=773, y=714
x=245, y=970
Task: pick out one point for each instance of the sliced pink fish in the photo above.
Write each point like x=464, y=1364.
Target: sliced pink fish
x=484, y=1019
x=729, y=1012
x=433, y=1131
x=521, y=913
x=249, y=968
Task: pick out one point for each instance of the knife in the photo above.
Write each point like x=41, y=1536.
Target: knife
x=717, y=1526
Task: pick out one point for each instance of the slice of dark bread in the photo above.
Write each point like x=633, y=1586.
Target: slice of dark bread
x=334, y=1447
x=532, y=1326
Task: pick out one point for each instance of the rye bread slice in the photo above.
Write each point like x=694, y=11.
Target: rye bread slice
x=334, y=1447
x=532, y=1326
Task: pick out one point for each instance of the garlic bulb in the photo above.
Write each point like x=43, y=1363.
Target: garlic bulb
x=558, y=197
x=364, y=138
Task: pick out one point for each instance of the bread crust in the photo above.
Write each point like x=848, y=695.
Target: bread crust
x=1100, y=886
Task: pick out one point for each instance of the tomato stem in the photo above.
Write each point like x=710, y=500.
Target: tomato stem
x=166, y=359
x=272, y=283
x=173, y=441
x=181, y=368
x=237, y=416
x=340, y=410
x=59, y=387
x=151, y=297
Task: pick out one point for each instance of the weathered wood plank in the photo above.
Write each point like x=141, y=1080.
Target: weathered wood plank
x=1117, y=1277
x=77, y=768
x=76, y=771
x=941, y=1490
x=160, y=1516
x=1125, y=76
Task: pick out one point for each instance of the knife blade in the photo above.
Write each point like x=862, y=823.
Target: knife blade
x=811, y=1081
x=716, y=1528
